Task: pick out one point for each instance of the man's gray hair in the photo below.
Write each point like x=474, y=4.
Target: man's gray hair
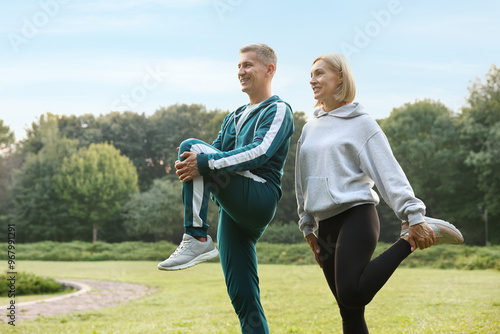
x=265, y=54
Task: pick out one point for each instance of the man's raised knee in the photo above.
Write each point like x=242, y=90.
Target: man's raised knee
x=185, y=146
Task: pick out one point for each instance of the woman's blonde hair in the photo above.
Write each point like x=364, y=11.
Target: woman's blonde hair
x=347, y=88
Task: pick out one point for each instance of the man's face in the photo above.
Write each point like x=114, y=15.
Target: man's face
x=251, y=72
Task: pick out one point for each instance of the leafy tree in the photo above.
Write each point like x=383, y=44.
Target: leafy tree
x=9, y=161
x=480, y=134
x=212, y=125
x=144, y=140
x=7, y=139
x=287, y=206
x=96, y=182
x=8, y=164
x=168, y=127
x=6, y=136
x=425, y=141
x=157, y=212
x=34, y=142
x=37, y=211
x=127, y=132
x=85, y=128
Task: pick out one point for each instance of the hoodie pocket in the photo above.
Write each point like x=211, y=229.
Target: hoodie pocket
x=318, y=196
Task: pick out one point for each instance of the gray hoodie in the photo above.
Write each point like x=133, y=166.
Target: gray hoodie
x=340, y=156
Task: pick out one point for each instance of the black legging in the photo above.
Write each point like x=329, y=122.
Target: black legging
x=347, y=242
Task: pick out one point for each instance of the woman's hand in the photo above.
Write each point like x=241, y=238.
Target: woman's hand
x=421, y=235
x=312, y=240
x=187, y=169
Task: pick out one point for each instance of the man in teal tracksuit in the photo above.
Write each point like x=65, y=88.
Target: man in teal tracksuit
x=242, y=172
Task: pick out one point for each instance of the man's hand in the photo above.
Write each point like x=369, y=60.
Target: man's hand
x=421, y=234
x=312, y=240
x=187, y=169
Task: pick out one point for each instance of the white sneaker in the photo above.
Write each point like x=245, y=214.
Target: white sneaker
x=189, y=253
x=445, y=232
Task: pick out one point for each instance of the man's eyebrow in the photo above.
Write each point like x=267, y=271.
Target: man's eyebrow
x=246, y=62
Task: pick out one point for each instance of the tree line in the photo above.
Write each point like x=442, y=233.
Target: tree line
x=112, y=177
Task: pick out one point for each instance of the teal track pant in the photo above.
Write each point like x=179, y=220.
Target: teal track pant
x=246, y=206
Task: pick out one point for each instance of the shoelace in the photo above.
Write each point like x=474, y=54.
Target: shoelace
x=182, y=245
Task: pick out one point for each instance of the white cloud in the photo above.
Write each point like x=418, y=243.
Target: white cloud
x=197, y=75
x=200, y=75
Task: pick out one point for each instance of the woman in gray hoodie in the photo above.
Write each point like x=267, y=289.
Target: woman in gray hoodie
x=341, y=154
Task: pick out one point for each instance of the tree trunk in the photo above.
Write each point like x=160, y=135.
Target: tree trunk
x=94, y=233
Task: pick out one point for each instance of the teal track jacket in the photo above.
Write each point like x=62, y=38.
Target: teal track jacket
x=260, y=149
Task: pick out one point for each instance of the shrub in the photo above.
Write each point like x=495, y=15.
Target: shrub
x=29, y=284
x=277, y=233
x=284, y=253
x=441, y=256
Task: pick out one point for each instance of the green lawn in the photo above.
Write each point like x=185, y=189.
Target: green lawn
x=30, y=298
x=296, y=300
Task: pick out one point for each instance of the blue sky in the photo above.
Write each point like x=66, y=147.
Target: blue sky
x=76, y=57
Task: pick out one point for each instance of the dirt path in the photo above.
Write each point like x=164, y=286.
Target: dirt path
x=91, y=295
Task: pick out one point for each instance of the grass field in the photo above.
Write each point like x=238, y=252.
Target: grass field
x=22, y=299
x=296, y=300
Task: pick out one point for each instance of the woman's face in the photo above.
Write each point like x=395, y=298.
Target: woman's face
x=324, y=81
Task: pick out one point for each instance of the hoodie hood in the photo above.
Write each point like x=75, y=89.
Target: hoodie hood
x=348, y=111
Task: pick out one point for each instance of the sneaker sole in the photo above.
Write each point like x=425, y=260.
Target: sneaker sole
x=202, y=258
x=455, y=233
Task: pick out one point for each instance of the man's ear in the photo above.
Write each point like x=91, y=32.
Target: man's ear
x=270, y=70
